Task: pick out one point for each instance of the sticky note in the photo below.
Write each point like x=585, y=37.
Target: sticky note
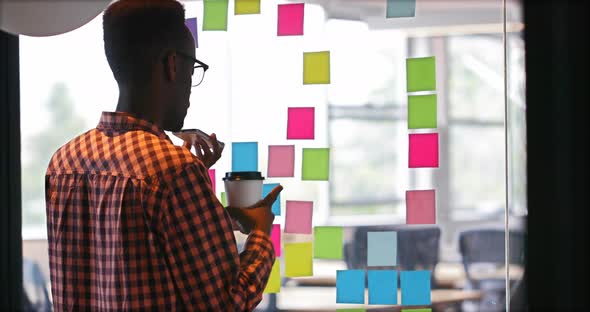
x=290, y=19
x=274, y=280
x=417, y=310
x=315, y=164
x=215, y=14
x=298, y=259
x=327, y=242
x=247, y=7
x=281, y=161
x=212, y=178
x=350, y=286
x=415, y=287
x=244, y=156
x=275, y=237
x=223, y=199
x=423, y=150
x=422, y=111
x=421, y=74
x=382, y=248
x=298, y=216
x=382, y=286
x=300, y=123
x=276, y=206
x=401, y=8
x=191, y=24
x=420, y=207
x=316, y=67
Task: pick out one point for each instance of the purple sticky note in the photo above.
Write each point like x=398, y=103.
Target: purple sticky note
x=212, y=178
x=281, y=160
x=420, y=207
x=423, y=150
x=191, y=24
x=275, y=237
x=290, y=19
x=300, y=123
x=298, y=217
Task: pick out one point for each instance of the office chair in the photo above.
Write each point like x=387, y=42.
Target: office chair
x=485, y=247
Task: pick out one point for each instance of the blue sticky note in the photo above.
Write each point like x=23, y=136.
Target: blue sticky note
x=276, y=206
x=382, y=286
x=350, y=286
x=415, y=287
x=382, y=248
x=244, y=156
x=401, y=8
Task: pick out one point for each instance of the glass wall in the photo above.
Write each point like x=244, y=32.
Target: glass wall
x=361, y=115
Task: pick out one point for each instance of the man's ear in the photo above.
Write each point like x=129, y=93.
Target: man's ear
x=170, y=66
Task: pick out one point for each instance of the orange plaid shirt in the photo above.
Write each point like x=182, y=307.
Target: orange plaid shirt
x=133, y=224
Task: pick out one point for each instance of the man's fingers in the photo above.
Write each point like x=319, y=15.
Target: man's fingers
x=187, y=145
x=272, y=196
x=235, y=213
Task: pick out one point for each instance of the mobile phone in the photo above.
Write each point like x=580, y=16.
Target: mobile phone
x=190, y=135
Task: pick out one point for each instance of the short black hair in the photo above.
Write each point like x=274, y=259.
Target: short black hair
x=135, y=33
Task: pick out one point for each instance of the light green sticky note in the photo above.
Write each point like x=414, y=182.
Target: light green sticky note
x=215, y=14
x=315, y=164
x=274, y=281
x=247, y=7
x=421, y=74
x=316, y=67
x=223, y=199
x=327, y=242
x=298, y=259
x=422, y=111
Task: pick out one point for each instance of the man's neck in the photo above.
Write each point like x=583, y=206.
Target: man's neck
x=142, y=104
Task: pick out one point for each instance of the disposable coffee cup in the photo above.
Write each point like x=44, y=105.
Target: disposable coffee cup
x=243, y=188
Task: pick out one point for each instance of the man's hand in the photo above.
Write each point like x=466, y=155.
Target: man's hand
x=202, y=150
x=257, y=217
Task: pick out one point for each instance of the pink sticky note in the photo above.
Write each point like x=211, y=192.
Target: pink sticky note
x=212, y=178
x=276, y=238
x=298, y=217
x=420, y=207
x=290, y=19
x=300, y=123
x=281, y=160
x=423, y=150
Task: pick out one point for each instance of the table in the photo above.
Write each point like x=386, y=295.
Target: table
x=324, y=299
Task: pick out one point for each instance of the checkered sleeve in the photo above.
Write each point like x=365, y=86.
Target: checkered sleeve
x=201, y=249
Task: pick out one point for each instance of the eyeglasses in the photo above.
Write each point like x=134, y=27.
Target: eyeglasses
x=198, y=71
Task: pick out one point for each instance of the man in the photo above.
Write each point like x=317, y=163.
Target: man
x=133, y=223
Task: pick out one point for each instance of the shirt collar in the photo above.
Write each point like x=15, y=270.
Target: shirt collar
x=122, y=121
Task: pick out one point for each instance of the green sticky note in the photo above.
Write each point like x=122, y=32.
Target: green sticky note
x=421, y=74
x=298, y=259
x=422, y=111
x=223, y=199
x=247, y=7
x=316, y=67
x=316, y=164
x=274, y=281
x=327, y=242
x=215, y=14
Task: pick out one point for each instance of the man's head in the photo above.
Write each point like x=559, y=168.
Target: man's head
x=146, y=45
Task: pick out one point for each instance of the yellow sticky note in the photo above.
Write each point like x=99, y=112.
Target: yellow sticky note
x=274, y=281
x=316, y=67
x=247, y=7
x=298, y=259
